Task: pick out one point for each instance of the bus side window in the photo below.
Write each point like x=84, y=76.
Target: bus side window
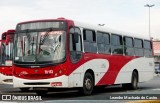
x=138, y=47
x=103, y=43
x=89, y=38
x=128, y=46
x=117, y=44
x=3, y=53
x=75, y=44
x=147, y=48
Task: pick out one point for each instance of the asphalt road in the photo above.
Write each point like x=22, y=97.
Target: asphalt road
x=103, y=96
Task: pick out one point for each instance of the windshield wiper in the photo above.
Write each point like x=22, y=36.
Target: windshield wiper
x=42, y=40
x=45, y=36
x=28, y=36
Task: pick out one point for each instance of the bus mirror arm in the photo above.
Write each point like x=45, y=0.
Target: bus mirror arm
x=7, y=39
x=75, y=37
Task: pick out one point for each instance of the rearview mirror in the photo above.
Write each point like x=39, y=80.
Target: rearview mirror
x=7, y=39
x=75, y=37
x=8, y=63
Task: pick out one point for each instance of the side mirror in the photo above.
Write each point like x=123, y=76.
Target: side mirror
x=7, y=39
x=75, y=37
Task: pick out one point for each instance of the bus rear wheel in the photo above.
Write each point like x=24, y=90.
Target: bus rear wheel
x=88, y=84
x=134, y=82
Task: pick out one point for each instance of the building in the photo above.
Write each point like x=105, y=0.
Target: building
x=156, y=50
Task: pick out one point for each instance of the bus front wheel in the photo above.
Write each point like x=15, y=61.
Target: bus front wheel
x=88, y=84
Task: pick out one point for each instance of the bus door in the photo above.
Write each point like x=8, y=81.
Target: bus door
x=75, y=56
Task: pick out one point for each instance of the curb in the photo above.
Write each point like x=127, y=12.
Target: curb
x=145, y=101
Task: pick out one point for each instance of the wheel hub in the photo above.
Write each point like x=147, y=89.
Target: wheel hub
x=88, y=84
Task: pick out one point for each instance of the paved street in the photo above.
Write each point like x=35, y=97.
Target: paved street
x=150, y=87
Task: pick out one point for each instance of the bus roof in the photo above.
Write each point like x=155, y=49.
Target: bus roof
x=95, y=27
x=44, y=20
x=109, y=30
x=10, y=31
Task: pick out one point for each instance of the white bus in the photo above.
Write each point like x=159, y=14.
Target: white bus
x=62, y=53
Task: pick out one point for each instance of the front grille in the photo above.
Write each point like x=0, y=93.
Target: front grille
x=38, y=83
x=37, y=76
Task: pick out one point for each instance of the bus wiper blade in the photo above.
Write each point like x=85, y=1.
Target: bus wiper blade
x=45, y=36
x=28, y=36
x=43, y=40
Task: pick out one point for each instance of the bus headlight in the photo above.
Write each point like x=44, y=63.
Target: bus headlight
x=55, y=74
x=60, y=71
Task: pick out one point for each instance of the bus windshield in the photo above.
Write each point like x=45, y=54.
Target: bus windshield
x=40, y=42
x=6, y=52
x=40, y=47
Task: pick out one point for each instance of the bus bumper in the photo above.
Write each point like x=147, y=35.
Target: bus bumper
x=6, y=79
x=57, y=82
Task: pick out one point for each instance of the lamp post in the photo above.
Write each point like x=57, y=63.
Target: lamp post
x=149, y=6
x=101, y=24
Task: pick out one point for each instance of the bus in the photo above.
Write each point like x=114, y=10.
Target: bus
x=6, y=56
x=63, y=53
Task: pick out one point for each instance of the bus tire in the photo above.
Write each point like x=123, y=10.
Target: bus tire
x=88, y=84
x=134, y=81
x=24, y=89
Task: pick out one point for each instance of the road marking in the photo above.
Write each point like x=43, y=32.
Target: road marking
x=145, y=101
x=156, y=74
x=11, y=93
x=156, y=89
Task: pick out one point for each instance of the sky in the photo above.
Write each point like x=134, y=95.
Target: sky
x=124, y=15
